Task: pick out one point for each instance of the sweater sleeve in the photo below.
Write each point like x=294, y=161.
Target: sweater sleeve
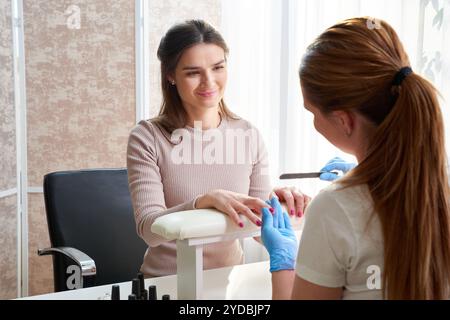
x=145, y=183
x=260, y=177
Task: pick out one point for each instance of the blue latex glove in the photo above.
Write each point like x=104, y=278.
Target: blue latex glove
x=335, y=164
x=278, y=237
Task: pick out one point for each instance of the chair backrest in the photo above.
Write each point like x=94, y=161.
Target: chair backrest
x=91, y=210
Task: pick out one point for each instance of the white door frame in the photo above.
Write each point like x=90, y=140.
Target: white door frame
x=20, y=102
x=142, y=47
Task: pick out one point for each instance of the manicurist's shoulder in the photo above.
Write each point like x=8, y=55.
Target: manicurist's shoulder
x=324, y=202
x=339, y=202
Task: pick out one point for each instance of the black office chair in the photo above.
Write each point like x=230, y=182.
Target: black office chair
x=91, y=227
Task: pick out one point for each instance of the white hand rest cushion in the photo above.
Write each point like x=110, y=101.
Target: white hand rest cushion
x=202, y=223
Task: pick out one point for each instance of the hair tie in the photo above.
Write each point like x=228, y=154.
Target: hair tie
x=401, y=75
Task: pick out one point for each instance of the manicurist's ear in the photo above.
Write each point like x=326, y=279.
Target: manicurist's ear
x=345, y=120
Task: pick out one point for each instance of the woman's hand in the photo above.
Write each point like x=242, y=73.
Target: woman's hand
x=233, y=204
x=335, y=164
x=296, y=201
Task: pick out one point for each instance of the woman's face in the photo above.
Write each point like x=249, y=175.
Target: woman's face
x=331, y=126
x=201, y=77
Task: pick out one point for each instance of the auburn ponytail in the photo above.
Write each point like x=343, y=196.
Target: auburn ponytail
x=405, y=167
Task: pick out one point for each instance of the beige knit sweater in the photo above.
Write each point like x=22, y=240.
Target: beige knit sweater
x=163, y=179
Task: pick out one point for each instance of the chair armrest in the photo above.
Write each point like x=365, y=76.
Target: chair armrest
x=206, y=223
x=86, y=263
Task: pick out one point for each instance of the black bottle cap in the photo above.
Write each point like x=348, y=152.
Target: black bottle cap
x=115, y=292
x=136, y=288
x=166, y=297
x=152, y=293
x=140, y=276
x=132, y=297
x=144, y=293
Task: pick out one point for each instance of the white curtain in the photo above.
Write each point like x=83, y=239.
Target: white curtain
x=267, y=39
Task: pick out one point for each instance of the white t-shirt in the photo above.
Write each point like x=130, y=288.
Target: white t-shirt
x=338, y=245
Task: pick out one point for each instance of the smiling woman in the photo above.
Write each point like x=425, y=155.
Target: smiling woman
x=200, y=78
x=193, y=59
x=193, y=66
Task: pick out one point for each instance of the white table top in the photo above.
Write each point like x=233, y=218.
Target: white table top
x=244, y=282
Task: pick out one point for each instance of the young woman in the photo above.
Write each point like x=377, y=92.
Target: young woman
x=383, y=230
x=197, y=154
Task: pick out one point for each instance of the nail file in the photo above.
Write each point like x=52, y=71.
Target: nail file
x=307, y=175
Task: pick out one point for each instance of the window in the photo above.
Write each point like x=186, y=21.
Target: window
x=267, y=40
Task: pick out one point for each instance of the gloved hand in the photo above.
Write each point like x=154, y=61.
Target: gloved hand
x=279, y=238
x=335, y=164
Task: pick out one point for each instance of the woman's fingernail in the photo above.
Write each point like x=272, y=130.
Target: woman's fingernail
x=241, y=224
x=258, y=223
x=292, y=212
x=300, y=214
x=271, y=210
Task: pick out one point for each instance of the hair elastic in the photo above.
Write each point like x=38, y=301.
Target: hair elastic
x=401, y=75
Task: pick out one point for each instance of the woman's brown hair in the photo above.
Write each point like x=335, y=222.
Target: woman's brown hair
x=352, y=66
x=178, y=38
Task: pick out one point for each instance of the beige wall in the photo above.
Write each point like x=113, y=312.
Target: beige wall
x=8, y=206
x=8, y=245
x=80, y=85
x=80, y=100
x=7, y=110
x=40, y=269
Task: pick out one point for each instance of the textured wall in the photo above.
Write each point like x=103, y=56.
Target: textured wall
x=8, y=206
x=81, y=92
x=80, y=99
x=8, y=245
x=7, y=110
x=165, y=13
x=80, y=85
x=40, y=269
